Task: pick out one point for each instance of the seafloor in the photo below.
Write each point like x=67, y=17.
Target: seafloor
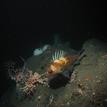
x=88, y=87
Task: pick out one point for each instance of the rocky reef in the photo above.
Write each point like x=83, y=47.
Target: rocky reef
x=86, y=88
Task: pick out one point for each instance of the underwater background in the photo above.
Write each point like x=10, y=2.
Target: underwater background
x=29, y=25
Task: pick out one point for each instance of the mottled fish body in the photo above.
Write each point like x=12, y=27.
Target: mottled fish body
x=61, y=61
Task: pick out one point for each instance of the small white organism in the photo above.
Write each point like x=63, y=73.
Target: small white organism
x=45, y=47
x=39, y=51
